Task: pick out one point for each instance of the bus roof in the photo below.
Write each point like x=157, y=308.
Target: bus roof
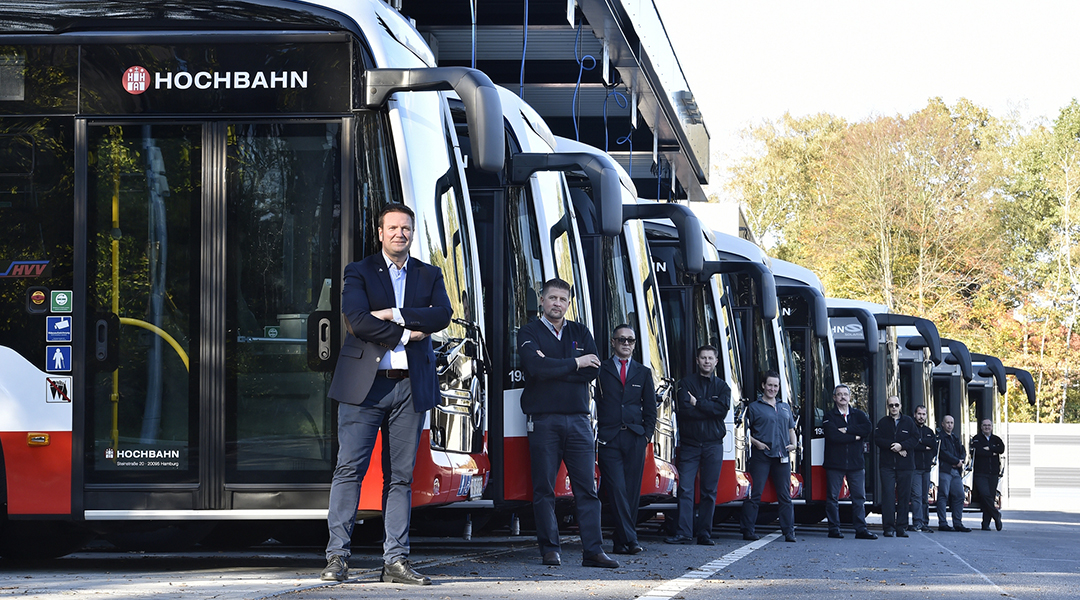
x=790, y=273
x=387, y=33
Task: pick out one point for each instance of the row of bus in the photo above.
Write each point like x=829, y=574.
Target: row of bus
x=182, y=189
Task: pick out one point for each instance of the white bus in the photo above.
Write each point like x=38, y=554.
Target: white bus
x=182, y=188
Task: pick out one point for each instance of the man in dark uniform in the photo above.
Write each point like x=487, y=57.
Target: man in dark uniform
x=559, y=360
x=385, y=379
x=925, y=455
x=896, y=435
x=847, y=430
x=703, y=403
x=986, y=451
x=625, y=420
x=951, y=456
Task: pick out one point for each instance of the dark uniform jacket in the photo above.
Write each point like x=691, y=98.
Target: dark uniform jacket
x=704, y=423
x=927, y=448
x=553, y=383
x=903, y=431
x=987, y=462
x=619, y=407
x=951, y=450
x=842, y=451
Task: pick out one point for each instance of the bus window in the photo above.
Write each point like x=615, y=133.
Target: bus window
x=821, y=381
x=681, y=363
x=730, y=334
x=377, y=182
x=143, y=197
x=524, y=276
x=619, y=288
x=796, y=343
x=564, y=251
x=855, y=373
x=446, y=231
x=37, y=176
x=283, y=193
x=657, y=359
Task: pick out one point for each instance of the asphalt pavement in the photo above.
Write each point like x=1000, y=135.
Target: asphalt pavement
x=1034, y=557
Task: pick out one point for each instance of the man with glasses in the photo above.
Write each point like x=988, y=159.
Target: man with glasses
x=847, y=430
x=703, y=403
x=896, y=436
x=625, y=421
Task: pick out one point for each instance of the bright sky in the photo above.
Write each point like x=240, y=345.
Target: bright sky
x=747, y=61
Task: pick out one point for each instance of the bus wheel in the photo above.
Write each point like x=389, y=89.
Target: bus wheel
x=37, y=540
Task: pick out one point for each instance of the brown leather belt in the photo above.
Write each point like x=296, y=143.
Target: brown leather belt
x=394, y=373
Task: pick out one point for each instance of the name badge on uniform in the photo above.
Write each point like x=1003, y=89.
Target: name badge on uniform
x=784, y=459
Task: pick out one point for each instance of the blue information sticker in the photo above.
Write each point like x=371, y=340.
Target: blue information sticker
x=58, y=329
x=57, y=359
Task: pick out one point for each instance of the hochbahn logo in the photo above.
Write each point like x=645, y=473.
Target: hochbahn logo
x=137, y=80
x=140, y=453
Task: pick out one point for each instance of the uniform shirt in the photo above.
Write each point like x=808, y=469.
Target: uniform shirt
x=770, y=426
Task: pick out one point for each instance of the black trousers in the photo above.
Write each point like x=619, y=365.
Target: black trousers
x=566, y=439
x=894, y=484
x=986, y=487
x=622, y=461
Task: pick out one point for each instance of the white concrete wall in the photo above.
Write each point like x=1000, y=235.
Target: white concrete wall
x=1042, y=466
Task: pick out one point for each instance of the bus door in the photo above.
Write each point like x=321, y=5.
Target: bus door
x=212, y=293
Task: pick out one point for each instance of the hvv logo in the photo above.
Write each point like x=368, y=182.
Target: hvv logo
x=25, y=268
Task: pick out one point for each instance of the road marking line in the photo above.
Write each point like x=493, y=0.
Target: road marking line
x=668, y=589
x=985, y=578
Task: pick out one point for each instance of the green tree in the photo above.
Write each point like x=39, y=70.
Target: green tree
x=778, y=185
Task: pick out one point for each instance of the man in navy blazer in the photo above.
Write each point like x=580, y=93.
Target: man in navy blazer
x=385, y=379
x=625, y=421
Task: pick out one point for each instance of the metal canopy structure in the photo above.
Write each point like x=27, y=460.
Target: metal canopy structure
x=666, y=154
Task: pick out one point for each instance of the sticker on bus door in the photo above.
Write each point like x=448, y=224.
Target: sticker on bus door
x=57, y=329
x=57, y=359
x=58, y=389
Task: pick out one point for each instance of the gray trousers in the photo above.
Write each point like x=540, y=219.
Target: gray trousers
x=950, y=491
x=357, y=428
x=920, y=502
